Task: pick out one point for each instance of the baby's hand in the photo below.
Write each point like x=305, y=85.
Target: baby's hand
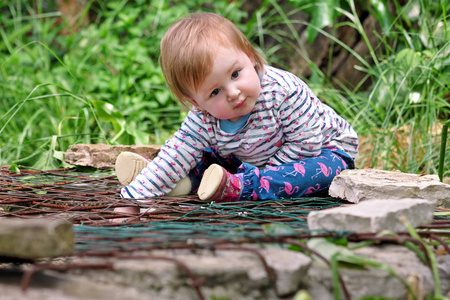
x=128, y=210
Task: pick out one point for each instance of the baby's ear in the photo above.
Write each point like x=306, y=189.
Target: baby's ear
x=191, y=101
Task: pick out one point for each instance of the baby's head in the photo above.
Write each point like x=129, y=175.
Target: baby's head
x=189, y=46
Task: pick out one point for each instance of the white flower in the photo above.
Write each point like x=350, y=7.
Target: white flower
x=414, y=97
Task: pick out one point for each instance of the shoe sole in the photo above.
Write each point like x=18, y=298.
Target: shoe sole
x=212, y=179
x=129, y=165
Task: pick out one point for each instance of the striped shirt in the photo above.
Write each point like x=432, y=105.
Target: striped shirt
x=288, y=123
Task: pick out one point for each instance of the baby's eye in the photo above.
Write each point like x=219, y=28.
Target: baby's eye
x=215, y=92
x=235, y=74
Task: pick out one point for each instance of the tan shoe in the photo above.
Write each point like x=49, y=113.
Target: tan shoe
x=130, y=164
x=219, y=185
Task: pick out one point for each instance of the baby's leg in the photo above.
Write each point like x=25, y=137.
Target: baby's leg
x=293, y=180
x=211, y=156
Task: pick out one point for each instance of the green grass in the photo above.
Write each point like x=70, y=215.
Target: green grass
x=400, y=116
x=101, y=83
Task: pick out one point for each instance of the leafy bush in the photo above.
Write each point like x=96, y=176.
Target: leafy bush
x=99, y=81
x=101, y=84
x=400, y=116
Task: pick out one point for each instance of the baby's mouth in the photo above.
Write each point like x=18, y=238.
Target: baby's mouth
x=241, y=103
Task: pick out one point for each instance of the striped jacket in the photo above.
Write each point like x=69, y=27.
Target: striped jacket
x=288, y=123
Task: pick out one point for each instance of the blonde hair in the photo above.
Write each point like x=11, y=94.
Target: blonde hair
x=189, y=46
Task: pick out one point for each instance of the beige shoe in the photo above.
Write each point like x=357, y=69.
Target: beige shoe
x=130, y=164
x=219, y=185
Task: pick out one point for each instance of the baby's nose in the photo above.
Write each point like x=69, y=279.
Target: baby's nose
x=233, y=93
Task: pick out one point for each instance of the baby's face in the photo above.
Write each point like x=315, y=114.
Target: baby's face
x=231, y=89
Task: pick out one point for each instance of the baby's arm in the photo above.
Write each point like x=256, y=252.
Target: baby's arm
x=176, y=158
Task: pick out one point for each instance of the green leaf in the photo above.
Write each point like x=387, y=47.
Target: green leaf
x=14, y=168
x=322, y=15
x=275, y=229
x=302, y=295
x=383, y=15
x=408, y=59
x=327, y=249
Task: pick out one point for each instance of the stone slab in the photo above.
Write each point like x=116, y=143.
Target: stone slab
x=103, y=156
x=290, y=268
x=366, y=184
x=35, y=238
x=235, y=273
x=373, y=216
x=372, y=282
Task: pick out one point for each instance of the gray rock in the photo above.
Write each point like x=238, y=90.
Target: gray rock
x=35, y=238
x=373, y=216
x=103, y=156
x=443, y=264
x=366, y=184
x=290, y=268
x=371, y=281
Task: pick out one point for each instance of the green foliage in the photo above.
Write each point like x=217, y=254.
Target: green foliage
x=99, y=80
x=100, y=84
x=400, y=116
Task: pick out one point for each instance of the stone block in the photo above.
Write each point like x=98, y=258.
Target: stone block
x=35, y=238
x=366, y=184
x=376, y=283
x=103, y=156
x=373, y=216
x=290, y=268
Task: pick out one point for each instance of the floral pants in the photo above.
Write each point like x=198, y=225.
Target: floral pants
x=308, y=177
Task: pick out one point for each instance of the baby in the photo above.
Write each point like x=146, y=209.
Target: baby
x=255, y=132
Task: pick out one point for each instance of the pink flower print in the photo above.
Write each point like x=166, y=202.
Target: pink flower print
x=199, y=130
x=265, y=184
x=322, y=170
x=209, y=129
x=172, y=163
x=289, y=118
x=278, y=144
x=276, y=168
x=298, y=169
x=265, y=127
x=313, y=189
x=288, y=189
